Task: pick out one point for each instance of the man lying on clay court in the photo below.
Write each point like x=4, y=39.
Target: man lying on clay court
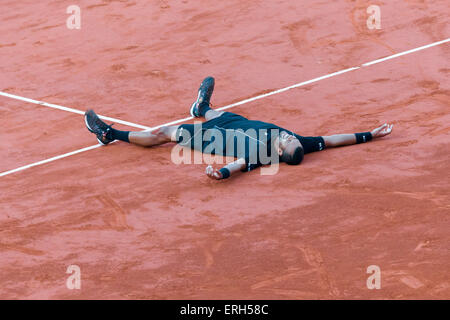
x=229, y=134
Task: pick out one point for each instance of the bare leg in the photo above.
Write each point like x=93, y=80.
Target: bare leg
x=211, y=114
x=156, y=137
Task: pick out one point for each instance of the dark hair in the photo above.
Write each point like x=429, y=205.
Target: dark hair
x=293, y=159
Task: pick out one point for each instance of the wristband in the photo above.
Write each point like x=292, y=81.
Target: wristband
x=363, y=137
x=225, y=173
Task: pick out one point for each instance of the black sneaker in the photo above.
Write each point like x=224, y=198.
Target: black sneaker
x=98, y=127
x=204, y=95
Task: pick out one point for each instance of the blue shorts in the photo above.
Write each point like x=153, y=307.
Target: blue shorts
x=225, y=121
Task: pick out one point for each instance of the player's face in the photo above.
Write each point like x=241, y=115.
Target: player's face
x=287, y=142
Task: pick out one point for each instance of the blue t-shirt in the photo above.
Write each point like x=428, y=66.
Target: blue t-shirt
x=236, y=136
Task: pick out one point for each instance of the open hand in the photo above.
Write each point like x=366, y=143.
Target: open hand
x=382, y=131
x=213, y=173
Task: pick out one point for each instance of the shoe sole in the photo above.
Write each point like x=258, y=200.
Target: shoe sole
x=90, y=129
x=87, y=124
x=100, y=142
x=194, y=105
x=198, y=98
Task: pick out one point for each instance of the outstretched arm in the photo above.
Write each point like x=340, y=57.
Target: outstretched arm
x=338, y=140
x=232, y=167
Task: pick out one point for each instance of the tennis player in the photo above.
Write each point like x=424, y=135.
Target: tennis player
x=253, y=143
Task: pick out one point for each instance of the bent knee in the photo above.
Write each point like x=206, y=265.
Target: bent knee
x=168, y=133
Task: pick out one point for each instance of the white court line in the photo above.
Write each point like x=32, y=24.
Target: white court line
x=405, y=52
x=288, y=88
x=55, y=106
x=49, y=160
x=222, y=108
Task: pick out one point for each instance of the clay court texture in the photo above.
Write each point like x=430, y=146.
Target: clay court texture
x=141, y=227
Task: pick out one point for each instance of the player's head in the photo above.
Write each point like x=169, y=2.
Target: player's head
x=289, y=148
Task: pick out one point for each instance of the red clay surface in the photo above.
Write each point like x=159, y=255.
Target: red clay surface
x=140, y=227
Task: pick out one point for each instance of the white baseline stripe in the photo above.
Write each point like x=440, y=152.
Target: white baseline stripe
x=405, y=52
x=55, y=106
x=288, y=88
x=49, y=160
x=189, y=118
